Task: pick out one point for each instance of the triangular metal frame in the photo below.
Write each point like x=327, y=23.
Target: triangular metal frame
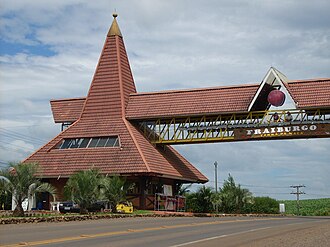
x=273, y=78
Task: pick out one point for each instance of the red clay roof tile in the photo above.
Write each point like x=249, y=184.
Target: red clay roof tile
x=67, y=110
x=311, y=93
x=219, y=100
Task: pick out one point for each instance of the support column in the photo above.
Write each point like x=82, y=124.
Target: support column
x=143, y=192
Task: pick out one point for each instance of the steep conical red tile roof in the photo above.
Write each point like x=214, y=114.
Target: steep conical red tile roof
x=103, y=115
x=112, y=82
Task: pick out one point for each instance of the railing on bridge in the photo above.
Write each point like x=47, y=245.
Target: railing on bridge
x=239, y=126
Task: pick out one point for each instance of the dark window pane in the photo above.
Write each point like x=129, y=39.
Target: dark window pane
x=75, y=143
x=84, y=143
x=102, y=142
x=116, y=144
x=111, y=142
x=93, y=142
x=66, y=143
x=59, y=144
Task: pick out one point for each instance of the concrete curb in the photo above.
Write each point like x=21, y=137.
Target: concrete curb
x=67, y=218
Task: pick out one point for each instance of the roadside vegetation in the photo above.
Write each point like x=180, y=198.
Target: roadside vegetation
x=231, y=199
x=19, y=179
x=309, y=207
x=84, y=187
x=88, y=187
x=114, y=190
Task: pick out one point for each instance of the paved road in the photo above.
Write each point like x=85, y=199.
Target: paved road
x=158, y=232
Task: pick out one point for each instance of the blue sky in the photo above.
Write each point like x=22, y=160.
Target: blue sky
x=49, y=50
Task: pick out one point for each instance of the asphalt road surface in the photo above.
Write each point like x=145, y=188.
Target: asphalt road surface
x=173, y=231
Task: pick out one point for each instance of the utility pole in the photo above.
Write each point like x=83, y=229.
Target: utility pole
x=297, y=193
x=216, y=183
x=216, y=176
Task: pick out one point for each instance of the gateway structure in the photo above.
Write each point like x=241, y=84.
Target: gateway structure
x=119, y=131
x=100, y=136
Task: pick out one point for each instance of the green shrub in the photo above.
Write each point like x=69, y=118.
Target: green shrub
x=265, y=205
x=200, y=201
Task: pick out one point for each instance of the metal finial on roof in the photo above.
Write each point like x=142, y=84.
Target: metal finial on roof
x=114, y=29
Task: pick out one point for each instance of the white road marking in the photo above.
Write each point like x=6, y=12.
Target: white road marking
x=221, y=236
x=236, y=233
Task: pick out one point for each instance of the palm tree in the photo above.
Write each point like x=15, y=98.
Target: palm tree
x=83, y=188
x=184, y=189
x=243, y=197
x=5, y=196
x=114, y=190
x=20, y=180
x=201, y=200
x=233, y=198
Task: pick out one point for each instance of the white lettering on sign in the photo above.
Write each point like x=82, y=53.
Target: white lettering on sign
x=257, y=131
x=304, y=127
x=281, y=130
x=249, y=132
x=313, y=127
x=295, y=128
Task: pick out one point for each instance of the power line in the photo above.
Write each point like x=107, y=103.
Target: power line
x=317, y=194
x=26, y=126
x=271, y=193
x=20, y=135
x=256, y=186
x=262, y=186
x=14, y=145
x=16, y=137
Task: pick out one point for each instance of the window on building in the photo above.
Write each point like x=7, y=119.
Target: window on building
x=89, y=142
x=134, y=188
x=85, y=142
x=112, y=142
x=66, y=144
x=102, y=142
x=93, y=142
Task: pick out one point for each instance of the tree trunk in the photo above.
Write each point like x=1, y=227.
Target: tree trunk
x=113, y=208
x=18, y=212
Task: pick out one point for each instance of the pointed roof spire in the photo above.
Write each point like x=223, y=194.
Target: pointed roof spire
x=114, y=29
x=112, y=81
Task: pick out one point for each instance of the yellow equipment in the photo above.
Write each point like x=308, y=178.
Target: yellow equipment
x=125, y=207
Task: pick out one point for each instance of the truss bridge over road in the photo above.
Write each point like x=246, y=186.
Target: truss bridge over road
x=236, y=113
x=257, y=125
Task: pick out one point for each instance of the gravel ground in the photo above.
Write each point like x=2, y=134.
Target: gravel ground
x=307, y=236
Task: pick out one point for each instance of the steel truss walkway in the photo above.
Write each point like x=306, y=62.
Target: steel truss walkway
x=259, y=125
